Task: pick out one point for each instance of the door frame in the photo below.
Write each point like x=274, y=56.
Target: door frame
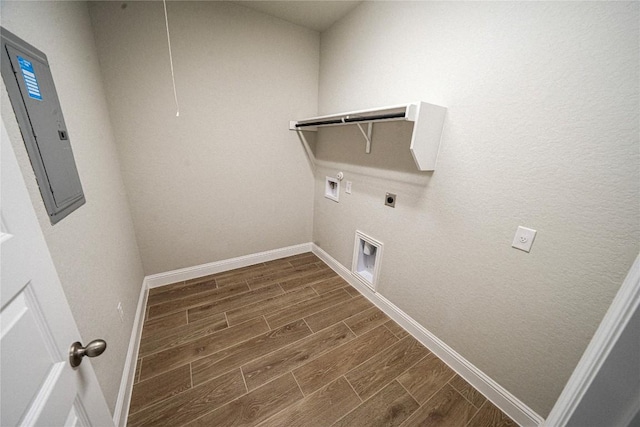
x=624, y=306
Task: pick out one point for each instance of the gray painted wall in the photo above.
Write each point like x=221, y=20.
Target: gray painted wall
x=226, y=178
x=94, y=249
x=542, y=131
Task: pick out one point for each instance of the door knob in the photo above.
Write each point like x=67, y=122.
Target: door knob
x=93, y=349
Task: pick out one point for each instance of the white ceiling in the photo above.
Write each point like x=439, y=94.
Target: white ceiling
x=316, y=15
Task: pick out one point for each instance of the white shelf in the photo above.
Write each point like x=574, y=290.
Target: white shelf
x=427, y=128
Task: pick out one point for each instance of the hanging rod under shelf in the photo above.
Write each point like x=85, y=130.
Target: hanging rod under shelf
x=350, y=119
x=396, y=112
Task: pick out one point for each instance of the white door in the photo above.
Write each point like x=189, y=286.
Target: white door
x=38, y=385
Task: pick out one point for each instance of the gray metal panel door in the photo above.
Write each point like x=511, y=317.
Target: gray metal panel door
x=44, y=131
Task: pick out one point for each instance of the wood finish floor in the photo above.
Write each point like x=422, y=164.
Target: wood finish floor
x=289, y=343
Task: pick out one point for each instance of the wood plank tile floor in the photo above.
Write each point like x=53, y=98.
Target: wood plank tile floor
x=289, y=343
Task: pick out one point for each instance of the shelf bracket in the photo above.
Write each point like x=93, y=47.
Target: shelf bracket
x=367, y=136
x=307, y=148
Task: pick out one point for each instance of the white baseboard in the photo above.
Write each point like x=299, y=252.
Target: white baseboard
x=121, y=411
x=504, y=400
x=497, y=394
x=188, y=273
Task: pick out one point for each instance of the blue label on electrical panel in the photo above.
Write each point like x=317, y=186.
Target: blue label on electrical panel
x=30, y=80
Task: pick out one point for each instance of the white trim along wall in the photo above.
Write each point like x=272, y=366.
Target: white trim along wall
x=623, y=307
x=121, y=411
x=498, y=395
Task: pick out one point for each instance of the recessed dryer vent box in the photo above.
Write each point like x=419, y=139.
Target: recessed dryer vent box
x=367, y=257
x=332, y=189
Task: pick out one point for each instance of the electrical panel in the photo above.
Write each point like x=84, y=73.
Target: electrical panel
x=33, y=95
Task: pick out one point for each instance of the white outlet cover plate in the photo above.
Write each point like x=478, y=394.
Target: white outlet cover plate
x=524, y=239
x=348, y=188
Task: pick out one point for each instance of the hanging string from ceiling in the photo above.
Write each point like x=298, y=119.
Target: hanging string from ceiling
x=173, y=77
